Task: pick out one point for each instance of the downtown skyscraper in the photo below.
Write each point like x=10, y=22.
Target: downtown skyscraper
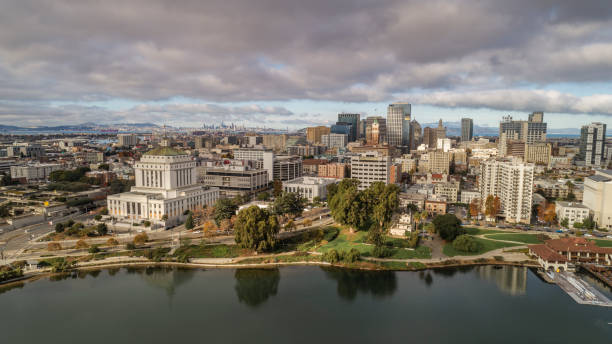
x=467, y=129
x=398, y=124
x=592, y=144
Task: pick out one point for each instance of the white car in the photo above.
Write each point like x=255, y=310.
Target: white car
x=588, y=235
x=609, y=236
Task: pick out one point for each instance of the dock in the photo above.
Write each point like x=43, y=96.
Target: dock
x=581, y=291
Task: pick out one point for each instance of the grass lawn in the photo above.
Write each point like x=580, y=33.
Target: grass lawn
x=485, y=246
x=345, y=241
x=603, y=243
x=478, y=231
x=519, y=237
x=209, y=251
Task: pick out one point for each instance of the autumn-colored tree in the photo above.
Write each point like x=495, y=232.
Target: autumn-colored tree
x=141, y=239
x=54, y=246
x=307, y=222
x=547, y=213
x=492, y=206
x=225, y=225
x=81, y=244
x=289, y=226
x=277, y=187
x=112, y=242
x=210, y=226
x=475, y=207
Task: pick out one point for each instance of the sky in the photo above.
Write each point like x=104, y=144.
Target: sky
x=296, y=63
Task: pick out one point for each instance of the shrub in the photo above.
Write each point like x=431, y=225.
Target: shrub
x=94, y=249
x=81, y=244
x=466, y=243
x=130, y=246
x=498, y=258
x=380, y=251
x=54, y=246
x=141, y=239
x=98, y=217
x=331, y=256
x=112, y=242
x=307, y=222
x=147, y=223
x=102, y=229
x=59, y=227
x=351, y=256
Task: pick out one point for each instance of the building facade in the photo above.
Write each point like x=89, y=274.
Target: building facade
x=309, y=187
x=371, y=167
x=467, y=129
x=166, y=187
x=592, y=143
x=398, y=123
x=511, y=181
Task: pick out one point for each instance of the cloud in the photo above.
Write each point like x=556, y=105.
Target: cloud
x=45, y=114
x=281, y=50
x=520, y=100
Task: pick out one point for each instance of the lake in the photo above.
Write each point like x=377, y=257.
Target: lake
x=298, y=305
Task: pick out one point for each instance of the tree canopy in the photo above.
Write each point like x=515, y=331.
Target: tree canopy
x=289, y=203
x=466, y=243
x=256, y=229
x=448, y=226
x=225, y=208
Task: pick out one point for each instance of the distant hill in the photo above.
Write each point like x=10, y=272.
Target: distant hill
x=82, y=126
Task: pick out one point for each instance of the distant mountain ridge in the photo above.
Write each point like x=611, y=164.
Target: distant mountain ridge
x=82, y=126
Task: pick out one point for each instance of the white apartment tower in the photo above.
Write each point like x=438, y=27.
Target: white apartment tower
x=511, y=181
x=371, y=167
x=592, y=143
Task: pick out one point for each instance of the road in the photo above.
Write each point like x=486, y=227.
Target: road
x=13, y=242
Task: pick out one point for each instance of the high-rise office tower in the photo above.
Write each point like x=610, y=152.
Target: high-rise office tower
x=592, y=144
x=440, y=131
x=353, y=119
x=531, y=131
x=429, y=137
x=415, y=134
x=382, y=130
x=467, y=129
x=313, y=134
x=398, y=117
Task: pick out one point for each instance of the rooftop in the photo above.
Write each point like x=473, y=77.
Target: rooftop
x=164, y=151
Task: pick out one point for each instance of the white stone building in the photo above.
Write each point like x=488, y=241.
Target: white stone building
x=35, y=172
x=371, y=167
x=166, y=187
x=572, y=211
x=598, y=197
x=309, y=187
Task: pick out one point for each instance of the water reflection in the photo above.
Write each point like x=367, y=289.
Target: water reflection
x=426, y=277
x=168, y=279
x=509, y=279
x=255, y=286
x=5, y=288
x=351, y=282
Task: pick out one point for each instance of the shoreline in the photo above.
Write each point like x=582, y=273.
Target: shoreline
x=27, y=278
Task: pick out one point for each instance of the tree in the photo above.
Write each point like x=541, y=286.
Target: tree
x=104, y=211
x=289, y=203
x=112, y=242
x=277, y=187
x=102, y=229
x=466, y=243
x=225, y=208
x=348, y=206
x=81, y=244
x=256, y=229
x=448, y=226
x=474, y=207
x=189, y=222
x=54, y=246
x=59, y=227
x=589, y=223
x=564, y=222
x=141, y=239
x=547, y=213
x=263, y=196
x=105, y=167
x=289, y=226
x=209, y=226
x=490, y=206
x=225, y=225
x=386, y=201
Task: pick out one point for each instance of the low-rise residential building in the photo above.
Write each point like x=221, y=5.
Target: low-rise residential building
x=467, y=196
x=434, y=207
x=311, y=166
x=309, y=187
x=572, y=211
x=448, y=190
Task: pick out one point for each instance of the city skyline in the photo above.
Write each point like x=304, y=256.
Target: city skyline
x=85, y=63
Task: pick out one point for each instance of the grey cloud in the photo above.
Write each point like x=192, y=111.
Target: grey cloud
x=344, y=50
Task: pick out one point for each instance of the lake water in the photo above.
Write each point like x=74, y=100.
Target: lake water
x=299, y=305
